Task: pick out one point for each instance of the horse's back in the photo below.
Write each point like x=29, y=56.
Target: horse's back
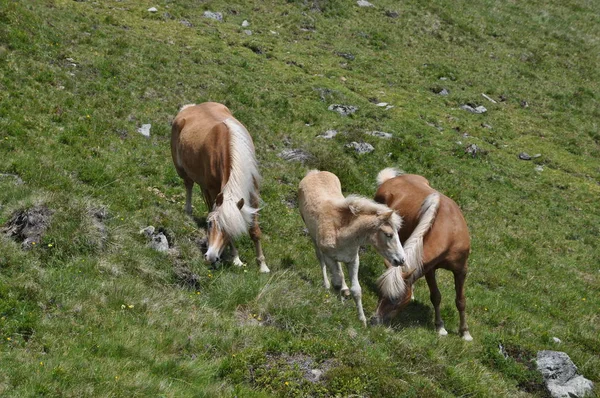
x=317, y=192
x=200, y=143
x=406, y=194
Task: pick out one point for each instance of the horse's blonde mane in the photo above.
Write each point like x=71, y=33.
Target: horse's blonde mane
x=361, y=205
x=186, y=106
x=243, y=178
x=391, y=283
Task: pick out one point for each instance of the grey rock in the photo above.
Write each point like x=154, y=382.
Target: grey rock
x=382, y=104
x=479, y=109
x=539, y=168
x=343, y=110
x=28, y=226
x=217, y=16
x=152, y=9
x=145, y=130
x=473, y=150
x=444, y=92
x=159, y=243
x=560, y=375
x=361, y=147
x=364, y=3
x=187, y=23
x=148, y=231
x=524, y=156
x=245, y=24
x=295, y=155
x=329, y=134
x=379, y=134
x=316, y=375
x=247, y=32
x=556, y=340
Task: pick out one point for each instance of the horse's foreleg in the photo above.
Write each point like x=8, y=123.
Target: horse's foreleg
x=459, y=286
x=235, y=255
x=337, y=276
x=436, y=298
x=255, y=234
x=356, y=290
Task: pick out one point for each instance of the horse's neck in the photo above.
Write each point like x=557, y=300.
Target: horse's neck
x=356, y=229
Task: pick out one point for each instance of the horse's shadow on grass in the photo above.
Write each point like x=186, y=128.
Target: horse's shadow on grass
x=415, y=314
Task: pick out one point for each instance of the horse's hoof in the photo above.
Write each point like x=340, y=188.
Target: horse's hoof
x=264, y=269
x=375, y=320
x=238, y=262
x=345, y=293
x=442, y=331
x=467, y=336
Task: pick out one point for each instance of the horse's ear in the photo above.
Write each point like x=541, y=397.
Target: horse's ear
x=219, y=200
x=386, y=214
x=240, y=204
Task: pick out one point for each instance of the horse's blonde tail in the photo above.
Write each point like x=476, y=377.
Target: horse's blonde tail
x=387, y=174
x=392, y=284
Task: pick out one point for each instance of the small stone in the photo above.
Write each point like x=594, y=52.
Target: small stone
x=443, y=92
x=379, y=134
x=524, y=156
x=329, y=134
x=361, y=147
x=217, y=16
x=480, y=109
x=343, y=110
x=486, y=126
x=382, y=104
x=152, y=9
x=556, y=340
x=247, y=32
x=145, y=130
x=539, y=168
x=364, y=3
x=148, y=231
x=245, y=24
x=187, y=23
x=159, y=243
x=316, y=374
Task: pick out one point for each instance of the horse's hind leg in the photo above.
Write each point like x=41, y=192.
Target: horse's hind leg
x=436, y=298
x=459, y=285
x=326, y=284
x=189, y=185
x=255, y=234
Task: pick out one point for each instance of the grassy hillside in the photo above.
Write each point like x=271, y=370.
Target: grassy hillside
x=90, y=310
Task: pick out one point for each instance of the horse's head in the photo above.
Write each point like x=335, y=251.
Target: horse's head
x=218, y=238
x=388, y=309
x=386, y=240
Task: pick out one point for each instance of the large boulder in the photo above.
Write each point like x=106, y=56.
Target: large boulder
x=560, y=375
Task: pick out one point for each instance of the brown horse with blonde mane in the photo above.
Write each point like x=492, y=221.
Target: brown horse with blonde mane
x=434, y=234
x=214, y=150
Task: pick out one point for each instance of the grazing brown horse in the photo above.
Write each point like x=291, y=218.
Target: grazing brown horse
x=339, y=225
x=434, y=234
x=214, y=150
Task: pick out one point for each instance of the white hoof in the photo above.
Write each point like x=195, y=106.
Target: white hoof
x=264, y=269
x=442, y=332
x=467, y=336
x=238, y=262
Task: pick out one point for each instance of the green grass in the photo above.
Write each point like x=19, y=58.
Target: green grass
x=93, y=312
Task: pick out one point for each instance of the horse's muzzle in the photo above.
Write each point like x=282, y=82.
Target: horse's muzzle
x=397, y=263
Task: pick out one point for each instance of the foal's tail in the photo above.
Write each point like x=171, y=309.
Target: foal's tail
x=392, y=284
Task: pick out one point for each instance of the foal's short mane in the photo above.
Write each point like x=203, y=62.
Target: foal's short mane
x=361, y=205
